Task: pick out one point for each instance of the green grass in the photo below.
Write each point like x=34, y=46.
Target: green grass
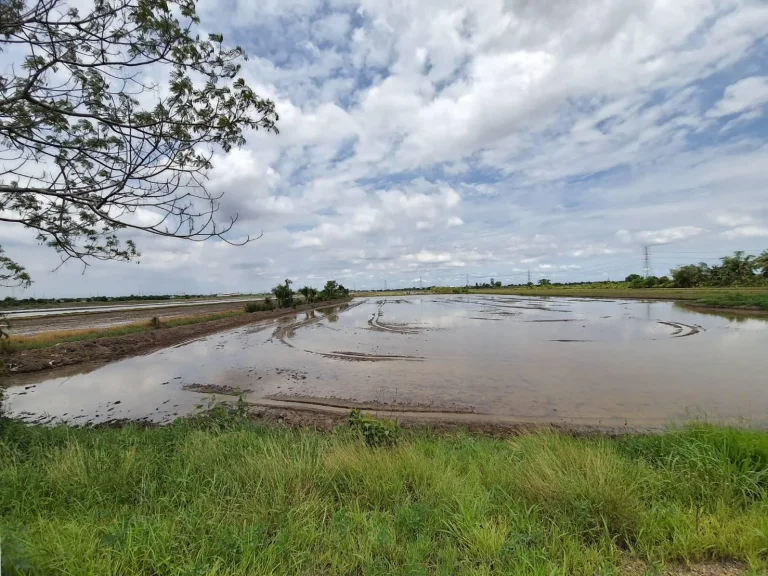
x=757, y=301
x=224, y=495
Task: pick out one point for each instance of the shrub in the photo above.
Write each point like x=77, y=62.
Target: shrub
x=155, y=323
x=375, y=432
x=264, y=306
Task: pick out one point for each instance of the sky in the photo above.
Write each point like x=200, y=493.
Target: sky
x=441, y=142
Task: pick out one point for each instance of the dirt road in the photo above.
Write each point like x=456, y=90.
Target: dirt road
x=106, y=319
x=103, y=350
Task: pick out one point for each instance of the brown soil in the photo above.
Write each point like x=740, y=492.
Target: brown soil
x=363, y=357
x=723, y=568
x=103, y=350
x=735, y=310
x=79, y=321
x=322, y=414
x=221, y=389
x=377, y=406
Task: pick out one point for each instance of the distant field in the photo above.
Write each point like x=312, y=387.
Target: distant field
x=720, y=294
x=387, y=293
x=736, y=300
x=4, y=307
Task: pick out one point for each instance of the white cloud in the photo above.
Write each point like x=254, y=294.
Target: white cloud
x=473, y=138
x=427, y=257
x=743, y=96
x=664, y=236
x=747, y=232
x=732, y=219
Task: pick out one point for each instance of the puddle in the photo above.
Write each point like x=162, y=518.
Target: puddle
x=554, y=359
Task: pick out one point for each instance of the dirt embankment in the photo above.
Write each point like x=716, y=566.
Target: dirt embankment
x=108, y=349
x=726, y=310
x=105, y=319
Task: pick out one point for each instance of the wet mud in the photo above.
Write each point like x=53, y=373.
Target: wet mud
x=105, y=319
x=103, y=350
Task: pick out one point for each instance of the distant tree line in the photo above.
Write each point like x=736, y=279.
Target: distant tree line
x=284, y=296
x=737, y=270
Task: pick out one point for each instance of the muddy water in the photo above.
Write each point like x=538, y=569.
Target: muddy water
x=530, y=359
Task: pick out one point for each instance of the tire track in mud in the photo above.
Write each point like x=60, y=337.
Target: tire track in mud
x=376, y=325
x=379, y=406
x=679, y=329
x=363, y=357
x=288, y=330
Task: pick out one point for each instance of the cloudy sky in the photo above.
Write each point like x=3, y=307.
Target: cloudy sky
x=431, y=139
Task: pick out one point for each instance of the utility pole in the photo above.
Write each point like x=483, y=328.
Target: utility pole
x=529, y=275
x=647, y=260
x=467, y=280
x=385, y=285
x=420, y=285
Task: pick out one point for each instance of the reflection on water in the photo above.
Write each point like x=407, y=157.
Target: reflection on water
x=553, y=359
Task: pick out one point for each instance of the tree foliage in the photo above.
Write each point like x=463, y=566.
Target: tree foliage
x=740, y=269
x=283, y=294
x=309, y=294
x=89, y=135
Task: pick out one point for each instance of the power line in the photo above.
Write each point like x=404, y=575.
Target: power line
x=647, y=260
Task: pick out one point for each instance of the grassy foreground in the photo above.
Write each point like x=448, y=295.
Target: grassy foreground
x=224, y=495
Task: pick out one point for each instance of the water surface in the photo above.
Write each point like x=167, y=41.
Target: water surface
x=554, y=359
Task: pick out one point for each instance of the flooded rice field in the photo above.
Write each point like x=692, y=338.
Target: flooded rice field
x=499, y=358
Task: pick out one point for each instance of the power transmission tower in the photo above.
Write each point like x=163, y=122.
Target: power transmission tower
x=529, y=276
x=385, y=285
x=467, y=280
x=647, y=261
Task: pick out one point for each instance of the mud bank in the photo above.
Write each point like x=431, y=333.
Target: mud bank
x=724, y=310
x=319, y=415
x=103, y=350
x=112, y=318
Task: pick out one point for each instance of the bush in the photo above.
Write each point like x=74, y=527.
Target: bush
x=155, y=323
x=375, y=432
x=264, y=306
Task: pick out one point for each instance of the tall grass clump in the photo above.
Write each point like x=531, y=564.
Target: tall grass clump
x=223, y=494
x=259, y=306
x=758, y=301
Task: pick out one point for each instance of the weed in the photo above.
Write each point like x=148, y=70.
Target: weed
x=263, y=306
x=375, y=432
x=736, y=300
x=219, y=494
x=241, y=408
x=155, y=323
x=7, y=346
